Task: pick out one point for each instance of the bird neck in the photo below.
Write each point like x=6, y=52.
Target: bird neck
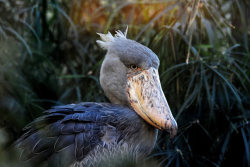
x=113, y=79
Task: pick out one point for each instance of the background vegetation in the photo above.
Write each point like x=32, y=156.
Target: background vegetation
x=48, y=56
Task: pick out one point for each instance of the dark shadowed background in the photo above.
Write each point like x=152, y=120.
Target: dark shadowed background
x=48, y=56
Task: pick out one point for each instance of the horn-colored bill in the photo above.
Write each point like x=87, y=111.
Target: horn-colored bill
x=147, y=99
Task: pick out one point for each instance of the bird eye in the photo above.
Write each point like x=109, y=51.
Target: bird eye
x=133, y=66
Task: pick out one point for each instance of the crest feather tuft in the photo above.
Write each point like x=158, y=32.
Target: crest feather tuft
x=108, y=39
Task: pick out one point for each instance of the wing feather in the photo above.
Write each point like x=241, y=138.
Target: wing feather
x=70, y=130
x=63, y=141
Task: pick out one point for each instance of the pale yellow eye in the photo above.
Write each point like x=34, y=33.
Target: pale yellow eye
x=133, y=67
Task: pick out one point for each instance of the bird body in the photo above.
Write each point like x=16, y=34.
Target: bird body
x=84, y=129
x=77, y=134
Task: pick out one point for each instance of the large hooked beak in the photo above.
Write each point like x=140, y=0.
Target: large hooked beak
x=147, y=99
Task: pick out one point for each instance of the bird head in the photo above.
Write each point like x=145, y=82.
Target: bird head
x=129, y=76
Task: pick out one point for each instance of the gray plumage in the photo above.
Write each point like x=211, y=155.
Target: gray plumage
x=77, y=134
x=122, y=52
x=67, y=134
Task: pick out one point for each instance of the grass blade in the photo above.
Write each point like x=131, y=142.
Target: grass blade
x=11, y=30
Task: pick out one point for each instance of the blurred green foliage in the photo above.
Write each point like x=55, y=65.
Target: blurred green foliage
x=48, y=56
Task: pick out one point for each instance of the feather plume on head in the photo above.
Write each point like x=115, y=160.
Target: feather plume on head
x=127, y=50
x=108, y=39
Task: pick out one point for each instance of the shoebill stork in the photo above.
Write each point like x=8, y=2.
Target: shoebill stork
x=77, y=133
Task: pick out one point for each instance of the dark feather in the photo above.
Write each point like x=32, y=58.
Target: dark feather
x=73, y=131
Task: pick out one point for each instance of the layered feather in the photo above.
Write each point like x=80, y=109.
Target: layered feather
x=107, y=39
x=66, y=134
